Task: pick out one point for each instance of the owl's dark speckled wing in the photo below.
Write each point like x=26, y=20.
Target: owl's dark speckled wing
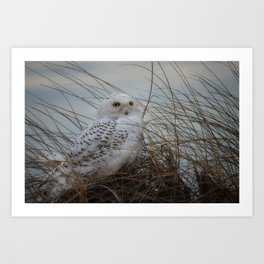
x=96, y=139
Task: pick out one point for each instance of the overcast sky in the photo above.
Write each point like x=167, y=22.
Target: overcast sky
x=132, y=77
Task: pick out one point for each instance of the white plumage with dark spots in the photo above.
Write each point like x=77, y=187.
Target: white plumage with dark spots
x=112, y=141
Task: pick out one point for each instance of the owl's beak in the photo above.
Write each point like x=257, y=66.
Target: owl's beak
x=125, y=110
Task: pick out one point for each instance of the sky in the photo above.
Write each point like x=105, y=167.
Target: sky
x=131, y=77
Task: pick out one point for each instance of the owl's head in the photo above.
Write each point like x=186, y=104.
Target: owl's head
x=118, y=105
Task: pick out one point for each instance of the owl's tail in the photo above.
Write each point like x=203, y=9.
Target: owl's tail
x=55, y=183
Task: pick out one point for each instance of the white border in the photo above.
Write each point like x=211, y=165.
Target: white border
x=20, y=55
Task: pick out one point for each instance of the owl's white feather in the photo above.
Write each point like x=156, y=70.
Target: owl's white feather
x=112, y=141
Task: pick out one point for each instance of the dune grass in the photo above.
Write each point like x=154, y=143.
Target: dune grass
x=191, y=150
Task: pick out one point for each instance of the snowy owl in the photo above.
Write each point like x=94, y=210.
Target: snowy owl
x=113, y=140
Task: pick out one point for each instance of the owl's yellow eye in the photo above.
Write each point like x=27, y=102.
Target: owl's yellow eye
x=131, y=103
x=116, y=104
